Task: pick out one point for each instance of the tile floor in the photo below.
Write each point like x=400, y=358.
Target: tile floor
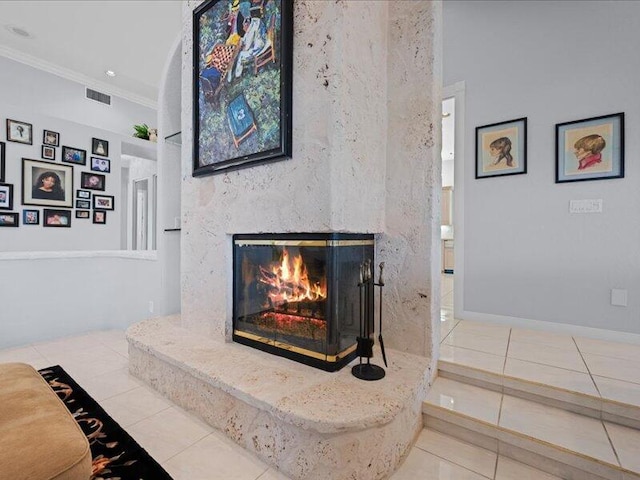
x=191, y=450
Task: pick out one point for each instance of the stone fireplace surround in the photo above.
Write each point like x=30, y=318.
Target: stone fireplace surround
x=366, y=158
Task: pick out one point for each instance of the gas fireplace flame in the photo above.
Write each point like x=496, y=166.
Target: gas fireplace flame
x=288, y=281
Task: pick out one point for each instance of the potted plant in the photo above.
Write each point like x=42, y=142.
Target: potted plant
x=141, y=131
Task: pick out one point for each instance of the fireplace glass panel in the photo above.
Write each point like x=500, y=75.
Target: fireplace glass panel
x=297, y=295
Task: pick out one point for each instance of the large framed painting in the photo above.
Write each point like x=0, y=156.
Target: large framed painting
x=47, y=184
x=501, y=149
x=242, y=80
x=2, y=166
x=590, y=149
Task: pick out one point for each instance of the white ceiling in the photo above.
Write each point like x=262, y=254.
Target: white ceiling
x=82, y=39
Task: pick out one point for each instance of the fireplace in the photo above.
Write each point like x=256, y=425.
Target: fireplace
x=297, y=295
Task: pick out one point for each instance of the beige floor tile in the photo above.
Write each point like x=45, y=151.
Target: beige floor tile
x=543, y=338
x=626, y=351
x=569, y=430
x=169, y=432
x=461, y=453
x=626, y=442
x=618, y=390
x=421, y=465
x=77, y=343
x=107, y=385
x=626, y=370
x=474, y=341
x=135, y=405
x=446, y=326
x=511, y=470
x=27, y=355
x=472, y=358
x=83, y=371
x=553, y=376
x=215, y=457
x=485, y=329
x=556, y=357
x=272, y=474
x=466, y=399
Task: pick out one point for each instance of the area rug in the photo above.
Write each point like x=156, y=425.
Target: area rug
x=116, y=456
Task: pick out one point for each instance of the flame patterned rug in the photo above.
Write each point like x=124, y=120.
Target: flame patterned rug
x=116, y=456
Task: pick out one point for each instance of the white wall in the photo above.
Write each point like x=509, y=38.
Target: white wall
x=525, y=256
x=45, y=93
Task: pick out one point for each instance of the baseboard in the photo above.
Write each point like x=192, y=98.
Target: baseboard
x=568, y=329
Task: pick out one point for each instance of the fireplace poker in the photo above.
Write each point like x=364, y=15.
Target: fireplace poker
x=381, y=284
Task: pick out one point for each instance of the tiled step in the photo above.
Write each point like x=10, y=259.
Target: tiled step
x=560, y=442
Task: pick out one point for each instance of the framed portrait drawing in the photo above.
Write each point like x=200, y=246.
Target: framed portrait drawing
x=501, y=149
x=31, y=217
x=6, y=196
x=47, y=184
x=100, y=147
x=51, y=138
x=99, y=217
x=103, y=202
x=100, y=165
x=242, y=71
x=56, y=218
x=590, y=149
x=19, y=132
x=83, y=214
x=92, y=181
x=48, y=153
x=2, y=165
x=9, y=219
x=74, y=155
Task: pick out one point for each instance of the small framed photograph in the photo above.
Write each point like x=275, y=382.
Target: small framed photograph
x=6, y=196
x=47, y=184
x=2, y=166
x=103, y=202
x=99, y=216
x=74, y=155
x=31, y=217
x=48, y=153
x=9, y=219
x=501, y=149
x=590, y=149
x=84, y=204
x=83, y=214
x=19, y=132
x=100, y=147
x=83, y=194
x=56, y=218
x=100, y=165
x=51, y=138
x=92, y=181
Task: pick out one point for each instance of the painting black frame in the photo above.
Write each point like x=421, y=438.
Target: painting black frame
x=27, y=184
x=83, y=204
x=14, y=215
x=104, y=218
x=84, y=175
x=83, y=214
x=98, y=159
x=10, y=138
x=55, y=211
x=521, y=170
x=53, y=152
x=44, y=138
x=81, y=162
x=560, y=163
x=94, y=146
x=284, y=57
x=9, y=190
x=2, y=163
x=96, y=197
x=24, y=217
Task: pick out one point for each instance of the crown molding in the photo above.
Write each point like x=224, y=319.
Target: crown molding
x=74, y=76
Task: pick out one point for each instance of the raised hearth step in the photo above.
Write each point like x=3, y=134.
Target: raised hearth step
x=563, y=443
x=611, y=400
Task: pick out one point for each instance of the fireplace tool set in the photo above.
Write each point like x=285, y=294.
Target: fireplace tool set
x=365, y=370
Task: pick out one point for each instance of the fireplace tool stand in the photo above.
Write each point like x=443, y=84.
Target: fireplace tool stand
x=367, y=370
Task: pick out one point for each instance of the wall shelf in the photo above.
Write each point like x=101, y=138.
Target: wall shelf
x=175, y=139
x=172, y=229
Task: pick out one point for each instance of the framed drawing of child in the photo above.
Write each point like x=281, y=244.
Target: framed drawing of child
x=590, y=149
x=501, y=149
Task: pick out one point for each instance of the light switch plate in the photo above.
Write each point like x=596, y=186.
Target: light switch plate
x=585, y=206
x=618, y=297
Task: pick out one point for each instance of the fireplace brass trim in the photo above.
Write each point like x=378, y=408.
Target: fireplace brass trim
x=292, y=348
x=305, y=243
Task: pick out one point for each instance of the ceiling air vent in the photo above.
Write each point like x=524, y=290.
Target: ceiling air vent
x=98, y=97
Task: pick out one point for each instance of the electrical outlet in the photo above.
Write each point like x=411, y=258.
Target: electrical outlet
x=619, y=297
x=150, y=306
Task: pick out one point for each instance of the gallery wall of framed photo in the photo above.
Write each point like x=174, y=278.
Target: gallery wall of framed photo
x=60, y=184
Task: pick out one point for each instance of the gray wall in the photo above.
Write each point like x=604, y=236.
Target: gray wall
x=49, y=94
x=525, y=255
